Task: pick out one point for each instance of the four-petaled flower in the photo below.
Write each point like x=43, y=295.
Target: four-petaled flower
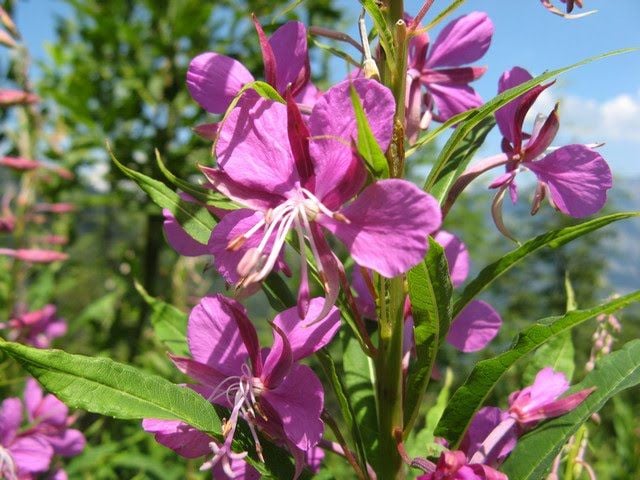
x=439, y=70
x=575, y=177
x=268, y=388
x=292, y=177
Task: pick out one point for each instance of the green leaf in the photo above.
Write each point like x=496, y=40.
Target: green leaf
x=103, y=386
x=461, y=157
x=557, y=353
x=195, y=219
x=359, y=386
x=344, y=401
x=444, y=14
x=470, y=396
x=169, y=323
x=536, y=451
x=430, y=292
x=278, y=293
x=204, y=195
x=474, y=117
x=368, y=147
x=552, y=239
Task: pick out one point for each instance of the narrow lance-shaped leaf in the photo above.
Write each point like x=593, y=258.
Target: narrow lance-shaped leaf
x=475, y=116
x=358, y=382
x=195, y=219
x=169, y=323
x=461, y=157
x=552, y=239
x=470, y=396
x=203, y=195
x=536, y=451
x=430, y=292
x=345, y=404
x=103, y=386
x=368, y=147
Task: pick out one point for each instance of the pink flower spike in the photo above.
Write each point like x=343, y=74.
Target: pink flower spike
x=34, y=255
x=540, y=400
x=19, y=163
x=55, y=207
x=16, y=97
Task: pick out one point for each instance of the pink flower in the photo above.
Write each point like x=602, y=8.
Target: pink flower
x=37, y=328
x=26, y=450
x=16, y=97
x=541, y=400
x=55, y=207
x=34, y=255
x=268, y=388
x=493, y=433
x=19, y=163
x=440, y=72
x=292, y=177
x=214, y=80
x=453, y=465
x=575, y=177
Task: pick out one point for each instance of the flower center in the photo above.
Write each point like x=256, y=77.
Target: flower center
x=241, y=392
x=295, y=213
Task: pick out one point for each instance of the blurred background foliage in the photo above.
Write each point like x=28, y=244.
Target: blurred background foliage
x=115, y=73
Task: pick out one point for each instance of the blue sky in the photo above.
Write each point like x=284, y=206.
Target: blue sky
x=599, y=102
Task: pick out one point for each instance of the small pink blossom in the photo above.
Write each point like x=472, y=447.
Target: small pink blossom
x=37, y=328
x=19, y=163
x=63, y=207
x=16, y=97
x=34, y=255
x=27, y=450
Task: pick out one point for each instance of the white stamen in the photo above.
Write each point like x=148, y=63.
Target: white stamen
x=7, y=466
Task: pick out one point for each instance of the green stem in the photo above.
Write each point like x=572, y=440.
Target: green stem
x=389, y=376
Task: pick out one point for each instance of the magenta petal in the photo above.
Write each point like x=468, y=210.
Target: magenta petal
x=299, y=400
x=388, y=225
x=241, y=470
x=482, y=424
x=31, y=454
x=10, y=419
x=249, y=197
x=289, y=44
x=547, y=386
x=308, y=95
x=506, y=115
x=308, y=336
x=214, y=337
x=475, y=326
x=453, y=99
x=578, y=179
x=214, y=80
x=68, y=443
x=278, y=362
x=457, y=256
x=180, y=240
x=178, y=436
x=333, y=128
x=462, y=41
x=204, y=374
x=253, y=148
x=364, y=300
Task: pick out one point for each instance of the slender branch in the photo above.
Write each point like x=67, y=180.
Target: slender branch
x=341, y=447
x=334, y=35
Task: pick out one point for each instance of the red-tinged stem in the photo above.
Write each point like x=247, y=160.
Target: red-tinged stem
x=418, y=18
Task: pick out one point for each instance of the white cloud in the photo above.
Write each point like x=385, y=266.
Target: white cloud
x=588, y=120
